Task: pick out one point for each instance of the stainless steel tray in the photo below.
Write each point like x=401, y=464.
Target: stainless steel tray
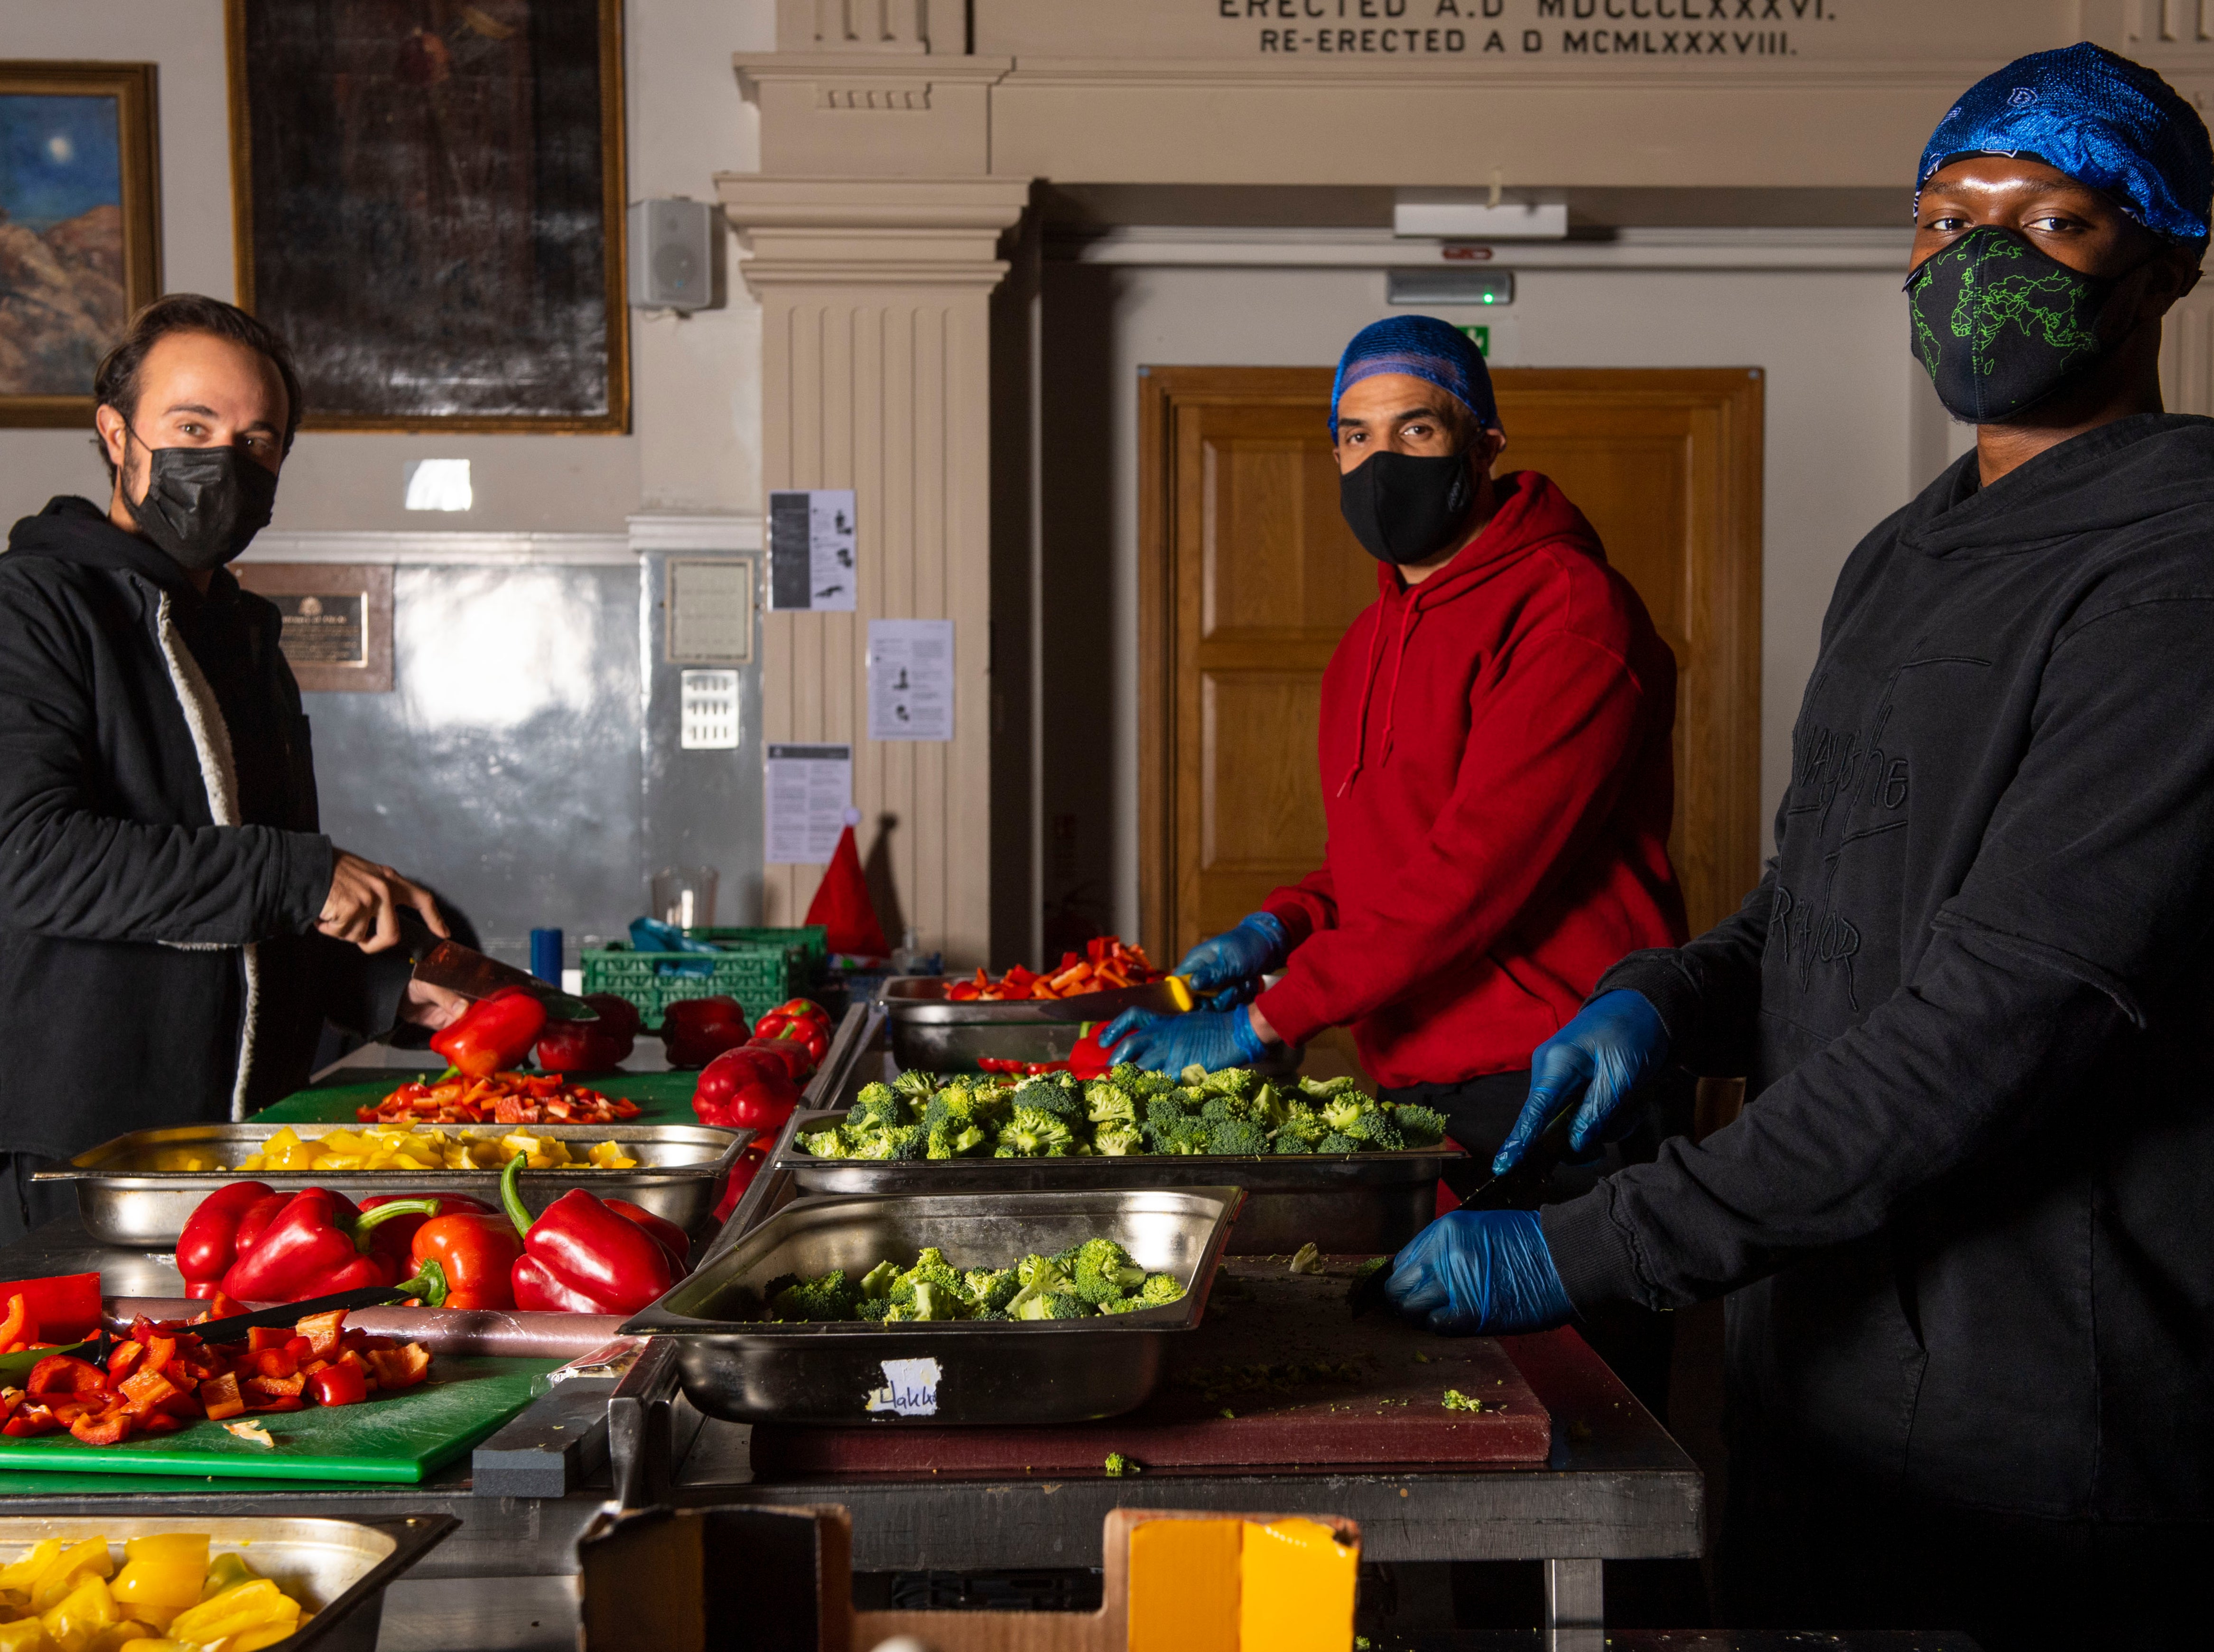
x=936, y=1034
x=1349, y=1204
x=337, y=1569
x=125, y=1202
x=959, y=1371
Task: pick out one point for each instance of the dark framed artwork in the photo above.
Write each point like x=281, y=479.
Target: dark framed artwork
x=80, y=229
x=428, y=201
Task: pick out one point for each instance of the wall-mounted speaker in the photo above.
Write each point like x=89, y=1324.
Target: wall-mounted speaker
x=672, y=255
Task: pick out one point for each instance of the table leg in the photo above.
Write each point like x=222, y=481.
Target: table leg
x=1576, y=1611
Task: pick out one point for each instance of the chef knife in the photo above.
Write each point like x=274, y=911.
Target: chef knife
x=234, y=1326
x=450, y=965
x=1517, y=1189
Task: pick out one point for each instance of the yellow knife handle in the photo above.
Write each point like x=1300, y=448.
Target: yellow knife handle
x=1180, y=990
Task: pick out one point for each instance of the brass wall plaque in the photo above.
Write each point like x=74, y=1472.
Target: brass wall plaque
x=338, y=622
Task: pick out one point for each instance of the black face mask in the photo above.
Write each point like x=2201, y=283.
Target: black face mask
x=2001, y=326
x=1404, y=508
x=204, y=505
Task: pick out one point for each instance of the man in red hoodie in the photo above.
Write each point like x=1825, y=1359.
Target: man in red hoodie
x=1496, y=767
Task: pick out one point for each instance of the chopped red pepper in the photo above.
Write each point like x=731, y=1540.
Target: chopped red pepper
x=64, y=1373
x=338, y=1384
x=493, y=1034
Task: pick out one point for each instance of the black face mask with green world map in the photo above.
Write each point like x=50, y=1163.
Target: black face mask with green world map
x=2001, y=326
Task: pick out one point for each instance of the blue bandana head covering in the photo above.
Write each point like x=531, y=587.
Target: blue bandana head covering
x=2100, y=118
x=1424, y=347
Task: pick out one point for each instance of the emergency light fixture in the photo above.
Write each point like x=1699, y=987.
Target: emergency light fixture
x=1487, y=288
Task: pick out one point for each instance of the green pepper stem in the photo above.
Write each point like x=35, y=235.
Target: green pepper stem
x=429, y=1283
x=511, y=1196
x=370, y=1218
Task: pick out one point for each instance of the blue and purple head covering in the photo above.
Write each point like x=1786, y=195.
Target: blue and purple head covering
x=2100, y=118
x=1424, y=347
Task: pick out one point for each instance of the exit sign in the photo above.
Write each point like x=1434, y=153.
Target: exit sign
x=1482, y=338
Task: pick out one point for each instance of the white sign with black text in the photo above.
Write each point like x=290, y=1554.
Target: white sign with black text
x=910, y=679
x=808, y=793
x=811, y=550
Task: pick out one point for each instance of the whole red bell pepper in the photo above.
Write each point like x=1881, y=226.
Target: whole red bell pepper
x=493, y=1034
x=393, y=1237
x=741, y=1177
x=583, y=1255
x=476, y=1251
x=591, y=1046
x=802, y=1019
x=212, y=1240
x=745, y=1089
x=697, y=1030
x=786, y=1051
x=319, y=1243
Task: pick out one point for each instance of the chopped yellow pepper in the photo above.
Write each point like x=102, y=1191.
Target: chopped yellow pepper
x=61, y=1576
x=86, y=1610
x=25, y=1635
x=162, y=1574
x=240, y=1611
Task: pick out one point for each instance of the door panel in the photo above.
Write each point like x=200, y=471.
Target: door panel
x=1249, y=577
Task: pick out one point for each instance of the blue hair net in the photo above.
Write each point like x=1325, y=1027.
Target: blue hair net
x=2100, y=118
x=1420, y=346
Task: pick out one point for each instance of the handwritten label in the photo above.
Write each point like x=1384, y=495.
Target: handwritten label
x=910, y=1388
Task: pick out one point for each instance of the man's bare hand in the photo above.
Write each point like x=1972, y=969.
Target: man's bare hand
x=363, y=906
x=431, y=1006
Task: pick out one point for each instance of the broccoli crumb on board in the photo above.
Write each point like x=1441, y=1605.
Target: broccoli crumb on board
x=1127, y=1111
x=1457, y=1401
x=1119, y=1467
x=1098, y=1276
x=1307, y=1259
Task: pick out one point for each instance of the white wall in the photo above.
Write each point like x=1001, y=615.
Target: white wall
x=1849, y=433
x=695, y=444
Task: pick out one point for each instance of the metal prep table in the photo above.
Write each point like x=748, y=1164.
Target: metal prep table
x=1615, y=1487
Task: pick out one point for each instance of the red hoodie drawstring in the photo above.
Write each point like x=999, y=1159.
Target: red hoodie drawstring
x=1368, y=695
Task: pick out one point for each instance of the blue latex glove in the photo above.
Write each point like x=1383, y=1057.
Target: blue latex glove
x=1226, y=970
x=1480, y=1273
x=1212, y=1039
x=1615, y=1044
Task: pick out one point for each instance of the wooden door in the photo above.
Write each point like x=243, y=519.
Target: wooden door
x=1248, y=577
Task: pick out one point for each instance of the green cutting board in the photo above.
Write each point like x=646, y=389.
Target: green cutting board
x=662, y=1098
x=389, y=1438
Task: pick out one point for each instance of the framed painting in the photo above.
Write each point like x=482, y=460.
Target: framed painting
x=428, y=201
x=80, y=229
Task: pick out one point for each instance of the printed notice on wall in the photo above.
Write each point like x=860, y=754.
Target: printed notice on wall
x=812, y=540
x=809, y=792
x=910, y=679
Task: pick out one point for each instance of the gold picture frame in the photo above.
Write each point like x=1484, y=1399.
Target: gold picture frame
x=380, y=344
x=96, y=273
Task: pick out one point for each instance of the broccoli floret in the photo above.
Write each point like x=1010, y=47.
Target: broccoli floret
x=988, y=1290
x=1103, y=1272
x=1148, y=1084
x=1342, y=1113
x=1118, y=1141
x=953, y=1138
x=913, y=1083
x=1039, y=1276
x=828, y=1298
x=908, y=1142
x=1029, y=1134
x=1241, y=1081
x=1163, y=1111
x=874, y=1309
x=1053, y=1100
x=1236, y=1136
x=1184, y=1135
x=825, y=1144
x=1105, y=1104
x=1320, y=1090
x=1118, y=1465
x=1419, y=1126
x=1126, y=1075
x=1299, y=1132
x=874, y=1143
x=1335, y=1143
x=1050, y=1304
x=1159, y=1290
x=1193, y=1077
x=931, y=1267
x=1125, y=1305
x=878, y=1107
x=1376, y=1129
x=879, y=1280
x=1292, y=1141
x=927, y=1300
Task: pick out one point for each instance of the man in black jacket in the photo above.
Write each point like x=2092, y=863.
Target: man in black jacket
x=1966, y=1220
x=174, y=929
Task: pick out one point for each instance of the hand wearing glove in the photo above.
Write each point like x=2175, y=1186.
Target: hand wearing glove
x=1226, y=970
x=1615, y=1044
x=1212, y=1039
x=1480, y=1273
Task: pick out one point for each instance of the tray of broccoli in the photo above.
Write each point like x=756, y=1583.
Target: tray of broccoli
x=1321, y=1162
x=1015, y=1307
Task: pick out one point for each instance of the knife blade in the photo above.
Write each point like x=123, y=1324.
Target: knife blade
x=230, y=1328
x=457, y=968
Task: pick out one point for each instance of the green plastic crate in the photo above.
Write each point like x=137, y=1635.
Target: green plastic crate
x=759, y=975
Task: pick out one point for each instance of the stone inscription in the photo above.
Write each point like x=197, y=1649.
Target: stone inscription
x=1528, y=29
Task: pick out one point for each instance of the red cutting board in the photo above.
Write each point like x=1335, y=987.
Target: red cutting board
x=1306, y=1385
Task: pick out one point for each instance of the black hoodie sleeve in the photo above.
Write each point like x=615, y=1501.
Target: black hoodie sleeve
x=70, y=869
x=1707, y=991
x=2090, y=893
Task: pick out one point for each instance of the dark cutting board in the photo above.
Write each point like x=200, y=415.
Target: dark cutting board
x=1306, y=1386
x=662, y=1098
x=385, y=1438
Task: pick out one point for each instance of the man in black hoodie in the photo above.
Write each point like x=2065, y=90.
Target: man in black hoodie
x=1966, y=1223
x=174, y=929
